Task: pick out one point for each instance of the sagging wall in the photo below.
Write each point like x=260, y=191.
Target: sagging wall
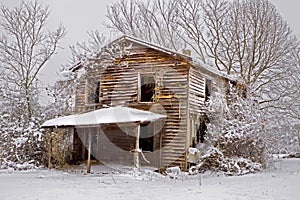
x=202, y=85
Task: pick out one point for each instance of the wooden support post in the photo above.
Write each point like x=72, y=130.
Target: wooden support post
x=137, y=148
x=89, y=152
x=160, y=149
x=50, y=148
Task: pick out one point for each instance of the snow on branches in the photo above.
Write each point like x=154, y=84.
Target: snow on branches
x=237, y=135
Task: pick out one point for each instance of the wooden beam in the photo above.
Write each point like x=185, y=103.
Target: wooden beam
x=137, y=148
x=89, y=151
x=50, y=148
x=160, y=148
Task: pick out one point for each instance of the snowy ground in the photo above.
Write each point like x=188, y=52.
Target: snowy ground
x=280, y=182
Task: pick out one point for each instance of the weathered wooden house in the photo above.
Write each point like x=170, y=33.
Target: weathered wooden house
x=137, y=74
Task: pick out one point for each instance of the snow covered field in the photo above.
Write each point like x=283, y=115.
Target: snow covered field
x=280, y=182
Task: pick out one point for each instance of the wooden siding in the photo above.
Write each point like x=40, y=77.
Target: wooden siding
x=196, y=102
x=196, y=91
x=119, y=86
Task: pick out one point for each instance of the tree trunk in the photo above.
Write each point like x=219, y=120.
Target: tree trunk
x=29, y=110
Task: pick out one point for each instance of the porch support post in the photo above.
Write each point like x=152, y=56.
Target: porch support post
x=160, y=149
x=137, y=148
x=50, y=148
x=89, y=151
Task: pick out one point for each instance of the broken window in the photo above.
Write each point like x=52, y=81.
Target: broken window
x=202, y=129
x=92, y=92
x=97, y=92
x=147, y=87
x=146, y=140
x=208, y=89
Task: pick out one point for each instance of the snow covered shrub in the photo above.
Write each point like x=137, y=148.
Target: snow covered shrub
x=244, y=134
x=215, y=160
x=244, y=146
x=21, y=143
x=238, y=136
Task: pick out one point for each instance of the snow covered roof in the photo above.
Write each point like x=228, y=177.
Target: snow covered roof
x=151, y=45
x=212, y=70
x=110, y=115
x=194, y=61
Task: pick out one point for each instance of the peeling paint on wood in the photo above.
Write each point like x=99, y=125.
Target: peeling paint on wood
x=180, y=90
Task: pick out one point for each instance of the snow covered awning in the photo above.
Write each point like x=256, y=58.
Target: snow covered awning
x=102, y=116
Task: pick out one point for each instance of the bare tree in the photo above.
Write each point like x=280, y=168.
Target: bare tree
x=83, y=50
x=153, y=21
x=248, y=39
x=245, y=38
x=241, y=37
x=251, y=40
x=285, y=90
x=25, y=47
x=86, y=57
x=202, y=25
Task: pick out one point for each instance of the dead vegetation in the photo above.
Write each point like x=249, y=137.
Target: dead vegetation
x=216, y=161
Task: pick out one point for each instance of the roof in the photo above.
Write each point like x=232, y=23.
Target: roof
x=192, y=60
x=103, y=116
x=151, y=45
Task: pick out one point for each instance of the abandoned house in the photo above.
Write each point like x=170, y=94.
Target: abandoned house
x=131, y=73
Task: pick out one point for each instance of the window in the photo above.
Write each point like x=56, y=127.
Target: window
x=97, y=92
x=147, y=87
x=92, y=92
x=208, y=89
x=146, y=138
x=201, y=130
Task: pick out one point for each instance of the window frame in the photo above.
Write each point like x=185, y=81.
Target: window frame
x=92, y=88
x=207, y=89
x=140, y=75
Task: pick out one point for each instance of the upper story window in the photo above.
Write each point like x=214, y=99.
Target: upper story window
x=92, y=92
x=208, y=89
x=146, y=87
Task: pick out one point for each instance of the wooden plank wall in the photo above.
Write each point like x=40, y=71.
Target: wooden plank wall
x=174, y=139
x=80, y=96
x=197, y=107
x=119, y=86
x=196, y=91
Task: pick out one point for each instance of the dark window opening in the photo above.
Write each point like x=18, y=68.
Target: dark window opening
x=202, y=129
x=94, y=141
x=97, y=92
x=208, y=88
x=146, y=140
x=80, y=145
x=93, y=93
x=147, y=87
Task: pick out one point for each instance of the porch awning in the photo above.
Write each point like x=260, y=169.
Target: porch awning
x=102, y=116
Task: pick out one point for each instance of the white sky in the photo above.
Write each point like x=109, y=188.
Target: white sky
x=82, y=16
